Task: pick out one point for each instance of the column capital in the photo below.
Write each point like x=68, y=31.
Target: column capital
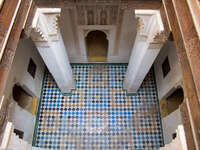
x=45, y=25
x=158, y=41
x=150, y=26
x=160, y=37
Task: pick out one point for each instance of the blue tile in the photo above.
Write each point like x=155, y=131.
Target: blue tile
x=98, y=115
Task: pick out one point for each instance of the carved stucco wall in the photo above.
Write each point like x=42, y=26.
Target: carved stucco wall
x=97, y=14
x=121, y=35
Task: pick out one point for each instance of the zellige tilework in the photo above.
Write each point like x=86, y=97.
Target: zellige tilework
x=98, y=115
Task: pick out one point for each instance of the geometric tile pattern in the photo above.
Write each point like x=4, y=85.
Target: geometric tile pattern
x=99, y=115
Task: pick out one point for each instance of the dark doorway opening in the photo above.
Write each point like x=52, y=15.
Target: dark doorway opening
x=23, y=99
x=19, y=133
x=172, y=102
x=97, y=46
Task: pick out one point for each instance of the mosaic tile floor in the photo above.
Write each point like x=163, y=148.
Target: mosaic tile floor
x=98, y=115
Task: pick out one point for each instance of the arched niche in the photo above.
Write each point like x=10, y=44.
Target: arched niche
x=97, y=45
x=106, y=32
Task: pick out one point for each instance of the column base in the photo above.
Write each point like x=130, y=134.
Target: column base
x=68, y=91
x=129, y=92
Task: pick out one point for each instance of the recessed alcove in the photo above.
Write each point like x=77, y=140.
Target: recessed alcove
x=23, y=99
x=172, y=102
x=97, y=46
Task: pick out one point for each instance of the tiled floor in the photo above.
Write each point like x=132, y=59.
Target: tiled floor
x=98, y=115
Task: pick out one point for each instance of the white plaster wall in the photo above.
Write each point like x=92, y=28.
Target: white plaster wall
x=167, y=85
x=22, y=119
x=65, y=25
x=128, y=35
x=18, y=74
x=170, y=124
x=174, y=78
x=74, y=37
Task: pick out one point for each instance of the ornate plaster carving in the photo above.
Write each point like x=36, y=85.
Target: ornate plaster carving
x=90, y=12
x=97, y=12
x=45, y=24
x=140, y=24
x=150, y=26
x=160, y=37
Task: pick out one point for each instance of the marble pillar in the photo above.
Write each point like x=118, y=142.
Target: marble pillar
x=48, y=40
x=149, y=40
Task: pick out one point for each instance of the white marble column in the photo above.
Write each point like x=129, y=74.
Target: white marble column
x=149, y=40
x=48, y=40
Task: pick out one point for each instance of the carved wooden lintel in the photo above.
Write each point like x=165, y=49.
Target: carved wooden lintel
x=124, y=4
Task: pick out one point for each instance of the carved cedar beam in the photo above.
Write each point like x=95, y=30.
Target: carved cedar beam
x=9, y=53
x=192, y=103
x=27, y=28
x=6, y=21
x=165, y=20
x=192, y=45
x=141, y=4
x=56, y=3
x=125, y=4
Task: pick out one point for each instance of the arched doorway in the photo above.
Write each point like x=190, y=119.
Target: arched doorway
x=97, y=46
